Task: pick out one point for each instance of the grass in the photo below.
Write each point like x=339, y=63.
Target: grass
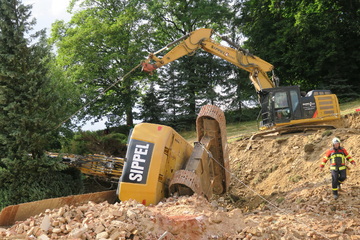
x=190, y=136
x=295, y=178
x=349, y=107
x=234, y=131
x=241, y=128
x=238, y=130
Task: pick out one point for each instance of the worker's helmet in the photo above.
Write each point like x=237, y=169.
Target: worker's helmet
x=336, y=140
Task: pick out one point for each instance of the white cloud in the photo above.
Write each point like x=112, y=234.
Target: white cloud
x=47, y=12
x=58, y=8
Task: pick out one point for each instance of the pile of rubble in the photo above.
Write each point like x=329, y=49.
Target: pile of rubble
x=177, y=218
x=196, y=218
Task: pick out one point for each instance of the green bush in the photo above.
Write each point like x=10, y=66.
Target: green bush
x=111, y=144
x=26, y=180
x=246, y=114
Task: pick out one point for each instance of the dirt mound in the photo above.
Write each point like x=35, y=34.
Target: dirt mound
x=351, y=120
x=277, y=191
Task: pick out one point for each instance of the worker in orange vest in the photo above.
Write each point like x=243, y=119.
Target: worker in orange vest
x=337, y=156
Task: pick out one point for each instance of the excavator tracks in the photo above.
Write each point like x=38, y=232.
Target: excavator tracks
x=207, y=170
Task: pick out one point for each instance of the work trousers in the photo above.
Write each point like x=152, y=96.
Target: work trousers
x=338, y=176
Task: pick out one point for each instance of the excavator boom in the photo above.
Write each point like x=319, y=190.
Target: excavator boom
x=107, y=168
x=201, y=38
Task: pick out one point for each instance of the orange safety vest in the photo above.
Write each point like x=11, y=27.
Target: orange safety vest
x=337, y=158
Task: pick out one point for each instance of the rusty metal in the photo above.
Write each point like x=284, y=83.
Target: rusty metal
x=11, y=214
x=207, y=170
x=218, y=115
x=184, y=181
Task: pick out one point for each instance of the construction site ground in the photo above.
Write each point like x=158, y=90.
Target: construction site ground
x=277, y=191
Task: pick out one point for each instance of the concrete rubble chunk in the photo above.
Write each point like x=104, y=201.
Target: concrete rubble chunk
x=45, y=224
x=43, y=237
x=76, y=233
x=131, y=214
x=102, y=235
x=99, y=229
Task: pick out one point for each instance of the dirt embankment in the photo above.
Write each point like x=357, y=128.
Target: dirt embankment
x=277, y=191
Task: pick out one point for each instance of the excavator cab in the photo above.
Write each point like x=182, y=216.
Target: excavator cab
x=280, y=105
x=284, y=106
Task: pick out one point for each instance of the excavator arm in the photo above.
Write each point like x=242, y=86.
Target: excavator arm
x=201, y=38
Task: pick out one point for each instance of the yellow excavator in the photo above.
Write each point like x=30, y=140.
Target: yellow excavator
x=282, y=108
x=158, y=163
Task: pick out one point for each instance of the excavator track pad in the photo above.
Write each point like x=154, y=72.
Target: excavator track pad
x=207, y=170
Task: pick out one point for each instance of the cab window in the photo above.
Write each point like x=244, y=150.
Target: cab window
x=282, y=109
x=281, y=100
x=294, y=99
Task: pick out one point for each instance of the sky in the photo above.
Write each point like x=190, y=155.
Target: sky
x=47, y=12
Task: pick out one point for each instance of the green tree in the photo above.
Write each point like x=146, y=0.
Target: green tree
x=103, y=41
x=31, y=105
x=310, y=43
x=151, y=109
x=189, y=82
x=238, y=93
x=110, y=144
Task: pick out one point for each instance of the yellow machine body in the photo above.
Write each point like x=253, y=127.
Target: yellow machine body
x=155, y=153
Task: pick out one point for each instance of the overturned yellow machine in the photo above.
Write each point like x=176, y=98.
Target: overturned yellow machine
x=159, y=162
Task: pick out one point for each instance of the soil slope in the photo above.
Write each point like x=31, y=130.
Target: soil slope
x=277, y=191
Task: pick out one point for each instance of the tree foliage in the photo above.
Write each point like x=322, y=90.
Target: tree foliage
x=88, y=142
x=26, y=180
x=190, y=82
x=151, y=109
x=32, y=102
x=311, y=43
x=106, y=39
x=103, y=42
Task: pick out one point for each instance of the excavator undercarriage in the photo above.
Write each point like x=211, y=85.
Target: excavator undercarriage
x=206, y=171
